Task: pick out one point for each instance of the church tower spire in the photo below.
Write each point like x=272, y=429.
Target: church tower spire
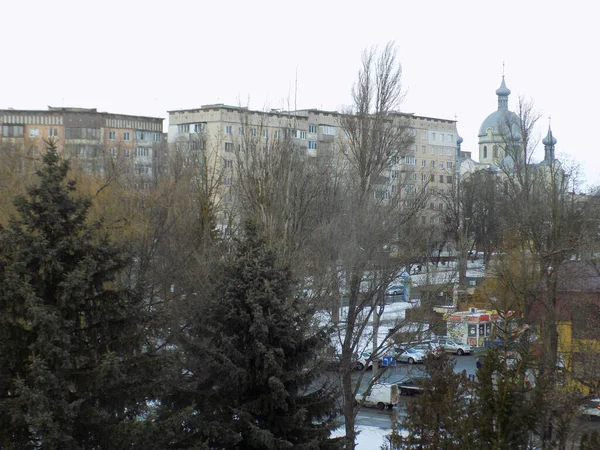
x=549, y=143
x=503, y=92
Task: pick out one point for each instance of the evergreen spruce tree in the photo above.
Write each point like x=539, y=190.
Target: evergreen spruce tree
x=251, y=381
x=442, y=417
x=508, y=406
x=71, y=360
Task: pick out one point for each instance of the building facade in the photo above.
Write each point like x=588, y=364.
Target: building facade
x=97, y=141
x=430, y=162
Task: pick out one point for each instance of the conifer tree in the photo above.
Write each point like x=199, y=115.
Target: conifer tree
x=71, y=359
x=250, y=380
x=442, y=416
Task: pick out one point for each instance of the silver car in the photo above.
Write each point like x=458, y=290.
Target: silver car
x=451, y=346
x=411, y=356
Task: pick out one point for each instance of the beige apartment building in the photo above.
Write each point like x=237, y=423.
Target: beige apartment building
x=431, y=161
x=98, y=141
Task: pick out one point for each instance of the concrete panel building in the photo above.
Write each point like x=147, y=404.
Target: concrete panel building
x=98, y=141
x=431, y=162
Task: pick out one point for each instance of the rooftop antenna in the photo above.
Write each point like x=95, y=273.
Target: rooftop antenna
x=455, y=117
x=502, y=69
x=549, y=121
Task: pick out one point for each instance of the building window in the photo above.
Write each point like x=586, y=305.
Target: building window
x=126, y=136
x=441, y=151
x=433, y=164
x=413, y=176
x=441, y=164
x=441, y=206
x=424, y=149
x=433, y=136
x=433, y=150
x=449, y=179
x=329, y=131
x=156, y=137
x=112, y=151
x=112, y=135
x=300, y=134
x=485, y=151
x=450, y=137
x=265, y=133
x=276, y=134
x=241, y=131
x=495, y=151
x=312, y=128
x=228, y=146
x=394, y=174
x=448, y=164
x=441, y=178
x=312, y=145
x=126, y=153
x=228, y=163
x=12, y=130
x=228, y=129
x=450, y=152
x=140, y=136
x=183, y=128
x=142, y=152
x=53, y=132
x=410, y=160
x=424, y=136
x=424, y=177
x=253, y=132
x=34, y=132
x=423, y=163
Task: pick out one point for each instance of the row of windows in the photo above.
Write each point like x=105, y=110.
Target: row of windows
x=441, y=178
x=494, y=151
x=432, y=220
x=299, y=134
x=449, y=164
x=82, y=133
x=442, y=150
x=140, y=152
x=437, y=136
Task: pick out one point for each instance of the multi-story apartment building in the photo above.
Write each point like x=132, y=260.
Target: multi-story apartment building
x=98, y=141
x=430, y=163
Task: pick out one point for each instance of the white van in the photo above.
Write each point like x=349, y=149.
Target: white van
x=382, y=396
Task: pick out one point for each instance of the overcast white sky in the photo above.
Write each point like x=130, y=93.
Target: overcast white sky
x=149, y=57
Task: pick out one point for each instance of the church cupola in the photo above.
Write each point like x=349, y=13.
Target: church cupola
x=549, y=142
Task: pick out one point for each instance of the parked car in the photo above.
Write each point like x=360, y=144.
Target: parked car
x=591, y=408
x=413, y=386
x=395, y=289
x=362, y=361
x=429, y=348
x=411, y=356
x=365, y=361
x=382, y=396
x=451, y=346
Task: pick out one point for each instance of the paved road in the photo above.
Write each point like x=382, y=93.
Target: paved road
x=383, y=419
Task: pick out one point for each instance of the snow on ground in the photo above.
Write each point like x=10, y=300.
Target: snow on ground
x=369, y=438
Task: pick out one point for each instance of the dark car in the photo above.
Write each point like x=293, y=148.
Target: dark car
x=413, y=386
